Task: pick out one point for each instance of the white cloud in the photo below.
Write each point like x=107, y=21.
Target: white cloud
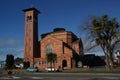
x=17, y=52
x=10, y=42
x=11, y=46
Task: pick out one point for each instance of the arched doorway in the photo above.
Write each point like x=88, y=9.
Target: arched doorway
x=26, y=64
x=64, y=64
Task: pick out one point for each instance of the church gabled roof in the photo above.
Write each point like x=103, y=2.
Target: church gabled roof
x=50, y=37
x=56, y=30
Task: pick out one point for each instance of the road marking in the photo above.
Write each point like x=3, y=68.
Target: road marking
x=12, y=77
x=114, y=78
x=36, y=78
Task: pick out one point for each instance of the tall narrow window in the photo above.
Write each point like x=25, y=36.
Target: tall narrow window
x=48, y=49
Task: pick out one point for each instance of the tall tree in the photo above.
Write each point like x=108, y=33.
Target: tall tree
x=105, y=32
x=9, y=61
x=51, y=57
x=18, y=60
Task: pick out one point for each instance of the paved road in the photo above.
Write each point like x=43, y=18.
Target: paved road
x=62, y=76
x=78, y=76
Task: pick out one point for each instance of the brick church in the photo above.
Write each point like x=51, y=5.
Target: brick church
x=65, y=44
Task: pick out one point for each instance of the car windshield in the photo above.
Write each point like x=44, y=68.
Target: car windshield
x=49, y=67
x=31, y=68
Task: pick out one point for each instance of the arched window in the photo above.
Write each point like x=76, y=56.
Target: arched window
x=48, y=49
x=29, y=18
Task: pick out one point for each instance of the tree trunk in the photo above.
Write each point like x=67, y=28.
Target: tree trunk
x=111, y=60
x=107, y=63
x=111, y=63
x=54, y=65
x=51, y=65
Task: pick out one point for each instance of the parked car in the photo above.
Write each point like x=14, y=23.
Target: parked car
x=31, y=69
x=49, y=69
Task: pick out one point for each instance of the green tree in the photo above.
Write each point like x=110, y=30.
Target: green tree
x=9, y=61
x=51, y=57
x=18, y=60
x=105, y=33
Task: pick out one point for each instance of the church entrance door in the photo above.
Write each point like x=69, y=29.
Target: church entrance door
x=64, y=64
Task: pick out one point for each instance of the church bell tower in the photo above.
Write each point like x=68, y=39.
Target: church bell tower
x=31, y=36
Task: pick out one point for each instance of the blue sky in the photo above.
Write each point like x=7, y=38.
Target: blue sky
x=68, y=14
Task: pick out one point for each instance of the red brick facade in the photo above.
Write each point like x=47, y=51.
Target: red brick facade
x=61, y=42
x=31, y=35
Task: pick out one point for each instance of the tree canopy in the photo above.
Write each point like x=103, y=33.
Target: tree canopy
x=105, y=32
x=9, y=61
x=51, y=57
